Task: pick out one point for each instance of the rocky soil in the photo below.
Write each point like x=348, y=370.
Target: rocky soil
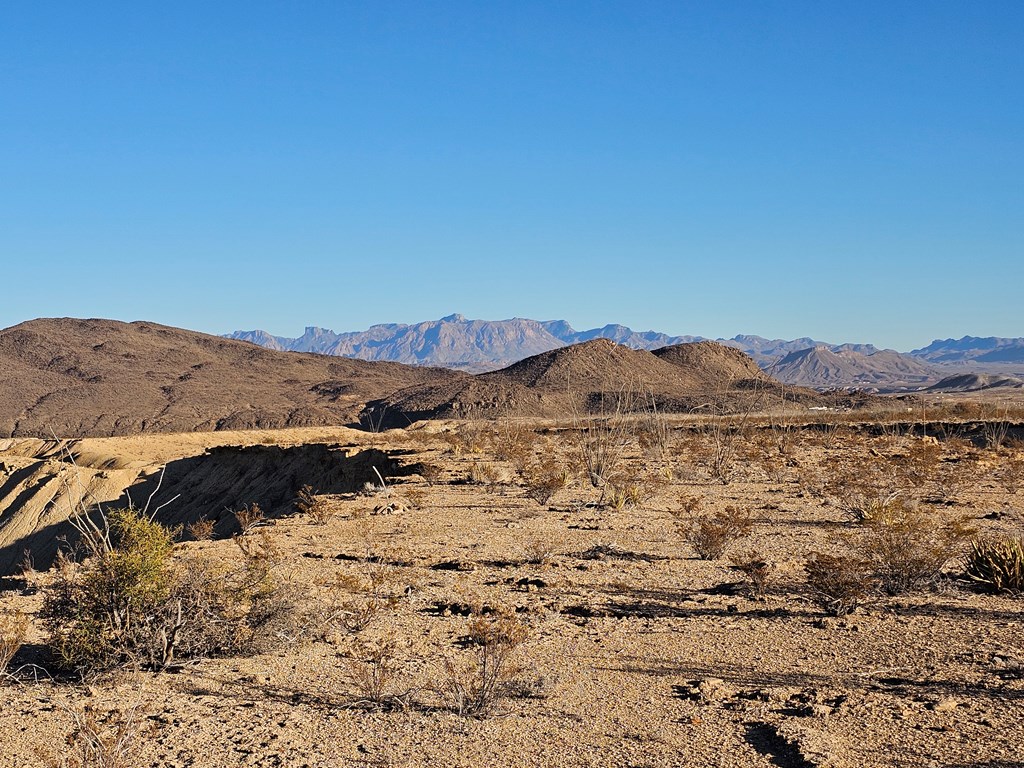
x=637, y=654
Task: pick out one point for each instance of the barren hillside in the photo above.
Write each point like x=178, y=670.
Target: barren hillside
x=588, y=377
x=101, y=377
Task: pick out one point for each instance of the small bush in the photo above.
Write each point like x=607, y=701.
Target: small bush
x=757, y=570
x=543, y=479
x=356, y=600
x=249, y=517
x=711, y=535
x=997, y=565
x=908, y=546
x=312, y=506
x=484, y=473
x=1010, y=473
x=628, y=490
x=538, y=551
x=475, y=688
x=129, y=601
x=13, y=628
x=688, y=504
x=514, y=443
x=840, y=584
x=374, y=669
x=201, y=530
x=112, y=739
x=95, y=611
x=430, y=472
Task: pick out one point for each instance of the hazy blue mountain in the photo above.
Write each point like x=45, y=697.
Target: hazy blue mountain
x=485, y=345
x=988, y=349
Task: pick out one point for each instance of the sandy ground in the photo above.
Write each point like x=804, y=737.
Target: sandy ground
x=639, y=654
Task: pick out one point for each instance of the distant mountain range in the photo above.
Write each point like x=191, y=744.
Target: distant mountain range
x=477, y=346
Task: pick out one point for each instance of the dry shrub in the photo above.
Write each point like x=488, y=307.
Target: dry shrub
x=919, y=465
x=374, y=669
x=315, y=508
x=249, y=517
x=356, y=600
x=711, y=535
x=997, y=565
x=770, y=450
x=726, y=433
x=1010, y=473
x=840, y=583
x=431, y=473
x=543, y=479
x=514, y=443
x=484, y=473
x=813, y=480
x=599, y=441
x=908, y=545
x=757, y=571
x=475, y=687
x=13, y=628
x=634, y=489
x=688, y=504
x=416, y=497
x=468, y=438
x=111, y=739
x=856, y=486
x=538, y=551
x=654, y=433
x=201, y=529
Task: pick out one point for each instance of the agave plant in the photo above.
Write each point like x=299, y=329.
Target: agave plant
x=997, y=564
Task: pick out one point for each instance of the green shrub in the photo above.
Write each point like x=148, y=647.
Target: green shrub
x=95, y=610
x=129, y=600
x=997, y=565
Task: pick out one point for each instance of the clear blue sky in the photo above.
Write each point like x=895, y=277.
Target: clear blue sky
x=850, y=171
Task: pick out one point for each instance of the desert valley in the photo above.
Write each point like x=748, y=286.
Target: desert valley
x=220, y=554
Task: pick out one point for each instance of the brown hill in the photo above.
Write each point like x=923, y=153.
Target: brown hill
x=824, y=368
x=709, y=363
x=563, y=381
x=975, y=382
x=81, y=378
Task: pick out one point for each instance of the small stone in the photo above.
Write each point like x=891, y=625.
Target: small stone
x=947, y=704
x=713, y=688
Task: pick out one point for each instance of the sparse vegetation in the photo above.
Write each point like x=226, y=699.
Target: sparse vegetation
x=908, y=546
x=201, y=529
x=374, y=668
x=711, y=535
x=249, y=517
x=104, y=739
x=543, y=479
x=129, y=601
x=839, y=583
x=13, y=628
x=757, y=571
x=473, y=688
x=308, y=503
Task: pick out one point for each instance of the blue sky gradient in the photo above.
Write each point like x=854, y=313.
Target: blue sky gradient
x=847, y=171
